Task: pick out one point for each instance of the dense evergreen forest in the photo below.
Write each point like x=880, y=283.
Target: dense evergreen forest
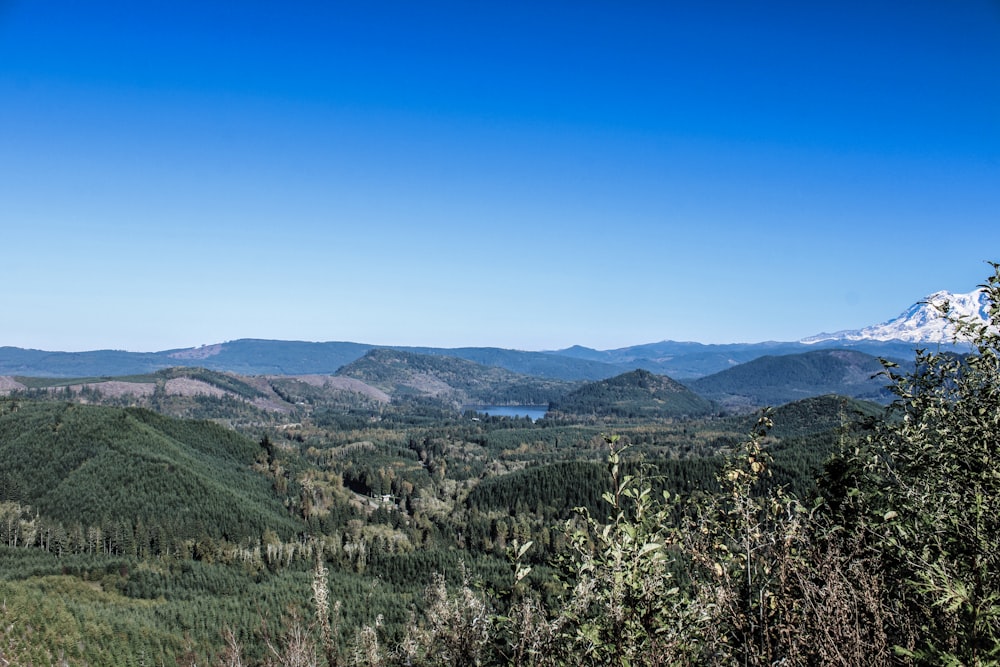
x=635, y=395
x=636, y=525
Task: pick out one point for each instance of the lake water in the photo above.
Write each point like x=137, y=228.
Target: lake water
x=534, y=412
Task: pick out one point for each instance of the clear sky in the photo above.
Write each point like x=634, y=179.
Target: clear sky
x=528, y=175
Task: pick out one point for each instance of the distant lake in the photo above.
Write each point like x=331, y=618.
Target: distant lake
x=534, y=412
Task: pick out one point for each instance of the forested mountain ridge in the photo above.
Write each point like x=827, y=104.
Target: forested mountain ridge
x=199, y=393
x=689, y=360
x=637, y=394
x=85, y=466
x=450, y=379
x=175, y=381
x=275, y=357
x=384, y=374
x=680, y=360
x=773, y=380
x=818, y=414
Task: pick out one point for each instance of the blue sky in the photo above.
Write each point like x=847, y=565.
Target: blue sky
x=525, y=175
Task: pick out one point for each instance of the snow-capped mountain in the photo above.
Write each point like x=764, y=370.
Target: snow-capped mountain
x=920, y=323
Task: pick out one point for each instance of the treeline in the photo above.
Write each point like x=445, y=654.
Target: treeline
x=114, y=610
x=556, y=489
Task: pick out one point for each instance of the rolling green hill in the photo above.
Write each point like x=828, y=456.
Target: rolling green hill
x=774, y=380
x=537, y=364
x=96, y=466
x=820, y=414
x=638, y=394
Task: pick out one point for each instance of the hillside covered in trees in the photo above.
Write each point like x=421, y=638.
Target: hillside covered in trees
x=132, y=477
x=635, y=395
x=773, y=380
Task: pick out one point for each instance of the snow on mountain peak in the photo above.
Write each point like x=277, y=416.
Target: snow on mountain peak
x=920, y=323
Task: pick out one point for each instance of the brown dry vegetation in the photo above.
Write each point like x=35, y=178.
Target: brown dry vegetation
x=191, y=387
x=344, y=384
x=117, y=388
x=9, y=384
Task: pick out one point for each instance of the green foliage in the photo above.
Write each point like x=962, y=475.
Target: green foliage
x=557, y=488
x=625, y=607
x=638, y=394
x=819, y=414
x=744, y=575
x=774, y=380
x=128, y=470
x=925, y=490
x=62, y=620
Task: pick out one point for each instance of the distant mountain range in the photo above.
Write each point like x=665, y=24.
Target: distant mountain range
x=384, y=376
x=895, y=338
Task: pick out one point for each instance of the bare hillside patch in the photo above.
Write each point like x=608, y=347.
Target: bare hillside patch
x=9, y=384
x=202, y=352
x=190, y=387
x=117, y=388
x=357, y=386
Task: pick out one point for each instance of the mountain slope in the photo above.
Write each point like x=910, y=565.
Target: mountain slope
x=92, y=465
x=687, y=361
x=450, y=379
x=818, y=414
x=19, y=361
x=538, y=364
x=638, y=394
x=251, y=356
x=920, y=323
x=774, y=380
